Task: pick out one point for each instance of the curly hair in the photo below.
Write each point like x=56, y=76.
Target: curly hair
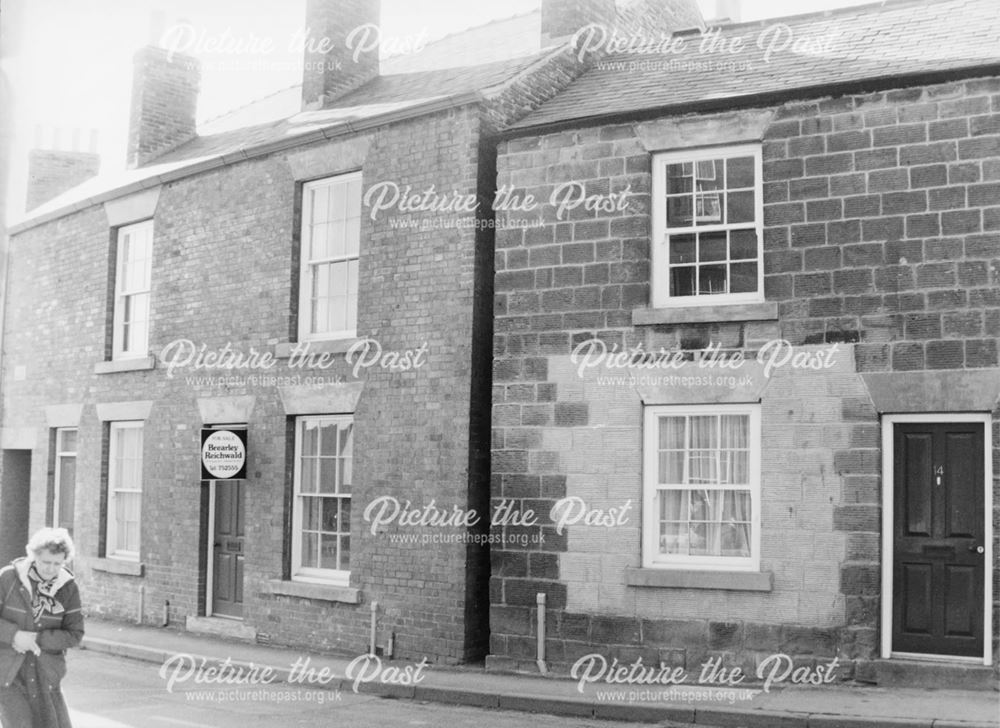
x=53, y=540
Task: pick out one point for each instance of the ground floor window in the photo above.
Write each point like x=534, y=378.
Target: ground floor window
x=701, y=487
x=124, y=490
x=64, y=478
x=321, y=510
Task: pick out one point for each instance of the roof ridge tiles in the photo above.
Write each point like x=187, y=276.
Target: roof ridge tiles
x=859, y=8
x=247, y=104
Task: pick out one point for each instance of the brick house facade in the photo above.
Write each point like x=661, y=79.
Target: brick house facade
x=124, y=291
x=745, y=511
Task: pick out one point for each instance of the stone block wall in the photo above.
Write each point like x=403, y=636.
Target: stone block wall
x=880, y=234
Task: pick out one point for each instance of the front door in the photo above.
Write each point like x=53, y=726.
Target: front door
x=15, y=500
x=939, y=539
x=227, y=549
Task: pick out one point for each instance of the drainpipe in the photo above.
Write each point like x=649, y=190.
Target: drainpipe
x=142, y=603
x=371, y=636
x=540, y=598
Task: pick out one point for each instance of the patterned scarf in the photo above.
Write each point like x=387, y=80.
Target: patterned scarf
x=43, y=594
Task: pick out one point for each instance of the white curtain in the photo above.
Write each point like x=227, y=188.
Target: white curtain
x=709, y=521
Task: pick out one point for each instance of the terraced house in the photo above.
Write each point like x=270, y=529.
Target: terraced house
x=235, y=277
x=705, y=318
x=762, y=396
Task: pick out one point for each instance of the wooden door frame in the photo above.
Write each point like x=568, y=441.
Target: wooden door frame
x=888, y=492
x=210, y=561
x=210, y=530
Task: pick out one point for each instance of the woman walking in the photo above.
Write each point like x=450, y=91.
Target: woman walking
x=40, y=618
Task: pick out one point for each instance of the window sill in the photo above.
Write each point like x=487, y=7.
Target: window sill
x=764, y=311
x=138, y=364
x=305, y=348
x=117, y=566
x=762, y=581
x=322, y=592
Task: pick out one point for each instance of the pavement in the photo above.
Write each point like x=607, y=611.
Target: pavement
x=189, y=658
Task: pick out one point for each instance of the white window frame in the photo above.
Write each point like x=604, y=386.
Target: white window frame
x=123, y=294
x=114, y=488
x=306, y=263
x=60, y=453
x=651, y=558
x=338, y=577
x=660, y=254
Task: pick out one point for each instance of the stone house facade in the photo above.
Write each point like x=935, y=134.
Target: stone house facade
x=745, y=370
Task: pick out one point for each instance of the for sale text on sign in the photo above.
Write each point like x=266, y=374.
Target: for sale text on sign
x=223, y=454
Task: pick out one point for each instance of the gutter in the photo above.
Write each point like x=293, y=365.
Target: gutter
x=728, y=103
x=320, y=134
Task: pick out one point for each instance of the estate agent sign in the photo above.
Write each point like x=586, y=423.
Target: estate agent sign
x=223, y=454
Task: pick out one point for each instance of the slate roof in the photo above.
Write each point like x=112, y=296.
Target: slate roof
x=458, y=52
x=383, y=95
x=852, y=44
x=900, y=37
x=276, y=120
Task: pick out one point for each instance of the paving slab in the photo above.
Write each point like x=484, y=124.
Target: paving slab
x=835, y=706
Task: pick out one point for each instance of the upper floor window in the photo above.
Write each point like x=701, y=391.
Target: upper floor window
x=331, y=236
x=707, y=227
x=133, y=272
x=701, y=487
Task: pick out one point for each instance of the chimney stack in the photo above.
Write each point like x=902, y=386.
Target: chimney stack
x=332, y=69
x=562, y=18
x=164, y=100
x=52, y=171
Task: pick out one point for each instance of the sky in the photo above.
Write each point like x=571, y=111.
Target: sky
x=71, y=66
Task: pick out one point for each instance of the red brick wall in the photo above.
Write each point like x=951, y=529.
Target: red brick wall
x=222, y=272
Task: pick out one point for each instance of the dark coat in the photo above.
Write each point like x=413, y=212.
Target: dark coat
x=56, y=632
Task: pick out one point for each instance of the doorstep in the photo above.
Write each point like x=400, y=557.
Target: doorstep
x=909, y=673
x=234, y=629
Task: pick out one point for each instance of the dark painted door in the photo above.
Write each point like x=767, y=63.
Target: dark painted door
x=15, y=494
x=939, y=539
x=228, y=537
